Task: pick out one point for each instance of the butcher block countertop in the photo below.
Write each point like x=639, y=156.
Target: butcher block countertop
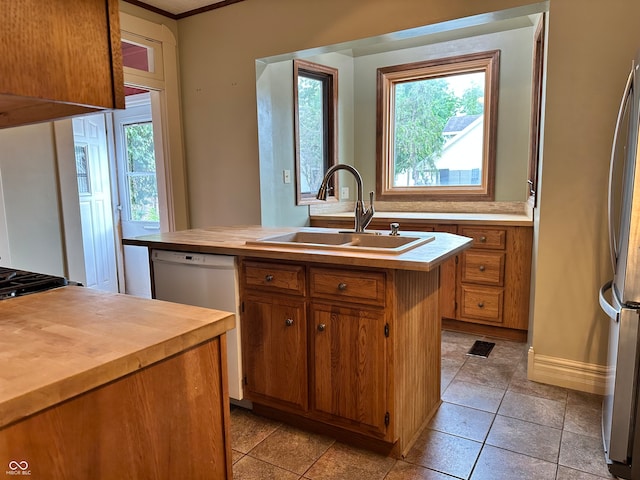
x=230, y=240
x=406, y=219
x=60, y=343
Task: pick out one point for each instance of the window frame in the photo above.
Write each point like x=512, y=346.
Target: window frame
x=536, y=110
x=387, y=77
x=329, y=77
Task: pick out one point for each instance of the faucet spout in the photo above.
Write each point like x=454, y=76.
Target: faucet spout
x=362, y=215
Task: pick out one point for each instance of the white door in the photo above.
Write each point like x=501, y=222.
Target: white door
x=94, y=188
x=137, y=186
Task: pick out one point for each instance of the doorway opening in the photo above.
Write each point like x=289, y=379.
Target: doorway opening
x=116, y=167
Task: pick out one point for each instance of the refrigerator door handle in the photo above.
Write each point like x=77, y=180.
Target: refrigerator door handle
x=609, y=309
x=613, y=241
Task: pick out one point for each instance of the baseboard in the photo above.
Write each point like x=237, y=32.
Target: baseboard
x=586, y=377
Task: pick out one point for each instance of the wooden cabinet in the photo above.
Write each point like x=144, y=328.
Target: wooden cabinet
x=275, y=353
x=484, y=290
x=349, y=358
x=494, y=280
x=59, y=58
x=167, y=420
x=366, y=364
x=277, y=345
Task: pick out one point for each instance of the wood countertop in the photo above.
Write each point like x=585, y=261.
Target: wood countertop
x=231, y=241
x=471, y=218
x=57, y=344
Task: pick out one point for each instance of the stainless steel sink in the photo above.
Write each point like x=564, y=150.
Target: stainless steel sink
x=344, y=241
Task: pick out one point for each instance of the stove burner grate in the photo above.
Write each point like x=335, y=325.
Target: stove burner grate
x=14, y=283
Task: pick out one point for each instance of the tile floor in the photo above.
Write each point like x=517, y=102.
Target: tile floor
x=493, y=424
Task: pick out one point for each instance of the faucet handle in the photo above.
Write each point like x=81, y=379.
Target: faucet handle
x=371, y=198
x=394, y=228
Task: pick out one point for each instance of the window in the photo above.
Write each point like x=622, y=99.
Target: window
x=315, y=120
x=436, y=128
x=82, y=169
x=142, y=189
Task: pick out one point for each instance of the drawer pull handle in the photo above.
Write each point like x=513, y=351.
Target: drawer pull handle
x=288, y=322
x=342, y=286
x=483, y=239
x=481, y=268
x=268, y=278
x=480, y=304
x=321, y=327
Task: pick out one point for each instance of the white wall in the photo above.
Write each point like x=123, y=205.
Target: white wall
x=32, y=200
x=514, y=103
x=357, y=122
x=277, y=141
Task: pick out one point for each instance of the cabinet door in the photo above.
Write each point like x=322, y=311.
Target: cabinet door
x=349, y=377
x=275, y=349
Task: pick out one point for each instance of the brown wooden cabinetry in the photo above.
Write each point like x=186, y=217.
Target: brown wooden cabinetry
x=167, y=420
x=275, y=353
x=494, y=280
x=59, y=58
x=349, y=357
x=365, y=365
x=485, y=289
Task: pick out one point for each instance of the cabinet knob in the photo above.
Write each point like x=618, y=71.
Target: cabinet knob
x=288, y=322
x=481, y=268
x=480, y=304
x=321, y=327
x=483, y=239
x=268, y=278
x=342, y=286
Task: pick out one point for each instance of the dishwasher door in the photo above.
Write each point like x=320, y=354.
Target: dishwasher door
x=203, y=280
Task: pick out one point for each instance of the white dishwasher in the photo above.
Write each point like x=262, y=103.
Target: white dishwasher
x=203, y=280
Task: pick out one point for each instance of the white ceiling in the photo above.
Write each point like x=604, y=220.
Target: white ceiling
x=176, y=7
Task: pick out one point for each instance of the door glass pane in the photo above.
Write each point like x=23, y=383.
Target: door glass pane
x=141, y=173
x=82, y=169
x=311, y=123
x=438, y=131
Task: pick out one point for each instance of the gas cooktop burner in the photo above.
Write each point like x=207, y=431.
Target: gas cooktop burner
x=14, y=283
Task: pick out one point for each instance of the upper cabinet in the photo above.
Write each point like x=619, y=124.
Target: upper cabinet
x=59, y=58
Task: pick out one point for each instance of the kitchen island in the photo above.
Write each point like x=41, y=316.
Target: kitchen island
x=102, y=386
x=341, y=340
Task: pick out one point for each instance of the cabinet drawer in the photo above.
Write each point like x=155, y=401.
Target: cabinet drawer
x=274, y=277
x=483, y=267
x=482, y=303
x=354, y=286
x=486, y=237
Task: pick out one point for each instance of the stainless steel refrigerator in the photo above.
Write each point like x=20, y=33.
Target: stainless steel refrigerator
x=620, y=298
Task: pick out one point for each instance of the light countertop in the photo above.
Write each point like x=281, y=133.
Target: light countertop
x=231, y=240
x=60, y=343
x=409, y=218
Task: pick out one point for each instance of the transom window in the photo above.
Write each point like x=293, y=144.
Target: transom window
x=436, y=128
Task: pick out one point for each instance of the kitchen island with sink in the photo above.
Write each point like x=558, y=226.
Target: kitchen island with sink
x=102, y=386
x=338, y=334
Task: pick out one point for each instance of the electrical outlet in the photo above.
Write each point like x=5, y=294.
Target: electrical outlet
x=286, y=176
x=344, y=193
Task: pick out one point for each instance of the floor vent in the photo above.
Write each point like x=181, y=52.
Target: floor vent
x=481, y=349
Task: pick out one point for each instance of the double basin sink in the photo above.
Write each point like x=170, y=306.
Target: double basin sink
x=344, y=241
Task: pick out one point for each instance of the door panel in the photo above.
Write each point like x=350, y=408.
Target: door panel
x=349, y=378
x=94, y=189
x=275, y=356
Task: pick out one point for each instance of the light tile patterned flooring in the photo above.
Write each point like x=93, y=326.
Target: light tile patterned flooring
x=493, y=424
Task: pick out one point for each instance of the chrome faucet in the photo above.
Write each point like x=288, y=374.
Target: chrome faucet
x=363, y=215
